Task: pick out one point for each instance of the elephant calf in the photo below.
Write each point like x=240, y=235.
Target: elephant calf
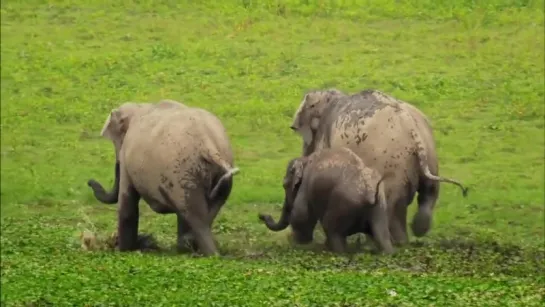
x=335, y=187
x=176, y=158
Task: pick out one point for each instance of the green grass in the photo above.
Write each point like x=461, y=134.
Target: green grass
x=476, y=68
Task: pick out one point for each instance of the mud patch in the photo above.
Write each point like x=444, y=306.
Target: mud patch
x=453, y=257
x=93, y=242
x=479, y=257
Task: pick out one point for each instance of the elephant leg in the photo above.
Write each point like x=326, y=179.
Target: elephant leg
x=303, y=231
x=427, y=198
x=339, y=218
x=381, y=231
x=197, y=218
x=336, y=242
x=186, y=239
x=217, y=203
x=398, y=224
x=302, y=223
x=214, y=210
x=127, y=227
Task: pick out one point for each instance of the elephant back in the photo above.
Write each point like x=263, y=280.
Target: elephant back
x=376, y=128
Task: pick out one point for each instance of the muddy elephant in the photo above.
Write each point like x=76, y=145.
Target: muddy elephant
x=176, y=158
x=335, y=187
x=389, y=135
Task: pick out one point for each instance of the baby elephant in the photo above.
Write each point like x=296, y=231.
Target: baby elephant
x=335, y=187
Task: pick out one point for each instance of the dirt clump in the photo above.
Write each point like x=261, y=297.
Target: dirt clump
x=91, y=241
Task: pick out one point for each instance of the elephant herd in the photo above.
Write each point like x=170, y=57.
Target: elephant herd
x=365, y=156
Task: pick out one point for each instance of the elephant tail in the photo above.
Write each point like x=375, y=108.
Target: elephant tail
x=423, y=160
x=229, y=172
x=380, y=196
x=228, y=175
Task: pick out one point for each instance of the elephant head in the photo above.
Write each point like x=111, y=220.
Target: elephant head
x=291, y=183
x=115, y=128
x=117, y=123
x=307, y=117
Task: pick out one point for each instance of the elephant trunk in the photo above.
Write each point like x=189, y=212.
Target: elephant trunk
x=310, y=148
x=282, y=224
x=103, y=196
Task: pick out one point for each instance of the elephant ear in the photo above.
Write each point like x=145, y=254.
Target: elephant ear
x=297, y=171
x=296, y=122
x=116, y=125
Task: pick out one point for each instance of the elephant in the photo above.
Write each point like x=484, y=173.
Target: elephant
x=388, y=135
x=178, y=159
x=335, y=187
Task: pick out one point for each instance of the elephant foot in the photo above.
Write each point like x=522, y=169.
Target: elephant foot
x=207, y=245
x=187, y=244
x=301, y=238
x=336, y=243
x=385, y=246
x=127, y=242
x=398, y=235
x=421, y=222
x=400, y=240
x=127, y=233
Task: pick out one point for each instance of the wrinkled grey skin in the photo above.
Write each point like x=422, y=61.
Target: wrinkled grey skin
x=176, y=158
x=389, y=135
x=335, y=187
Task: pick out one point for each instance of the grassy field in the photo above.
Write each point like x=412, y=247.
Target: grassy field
x=476, y=68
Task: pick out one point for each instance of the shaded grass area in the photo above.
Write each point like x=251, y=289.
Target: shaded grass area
x=477, y=70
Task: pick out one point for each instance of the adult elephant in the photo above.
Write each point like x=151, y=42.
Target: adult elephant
x=389, y=135
x=176, y=158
